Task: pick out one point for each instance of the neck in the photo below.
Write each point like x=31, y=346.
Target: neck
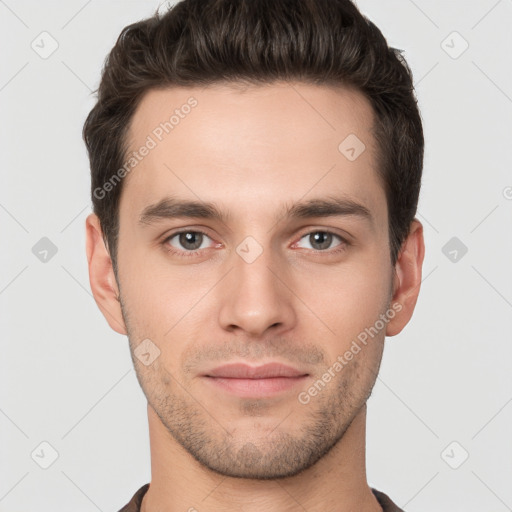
x=337, y=482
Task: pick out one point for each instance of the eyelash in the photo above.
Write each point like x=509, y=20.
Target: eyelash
x=189, y=254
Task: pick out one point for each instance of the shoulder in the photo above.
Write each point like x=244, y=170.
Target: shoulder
x=385, y=502
x=135, y=502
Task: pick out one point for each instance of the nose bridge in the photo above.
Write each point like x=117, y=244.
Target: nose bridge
x=253, y=262
x=255, y=299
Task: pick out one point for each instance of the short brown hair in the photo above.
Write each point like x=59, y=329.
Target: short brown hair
x=202, y=42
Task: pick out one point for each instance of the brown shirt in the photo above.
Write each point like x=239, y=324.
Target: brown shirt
x=134, y=505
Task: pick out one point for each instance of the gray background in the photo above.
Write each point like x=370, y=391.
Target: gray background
x=445, y=388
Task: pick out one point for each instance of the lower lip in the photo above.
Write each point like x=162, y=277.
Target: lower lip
x=256, y=387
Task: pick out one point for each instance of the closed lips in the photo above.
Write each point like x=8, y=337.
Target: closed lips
x=243, y=371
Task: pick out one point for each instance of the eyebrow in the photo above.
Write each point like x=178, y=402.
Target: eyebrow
x=171, y=208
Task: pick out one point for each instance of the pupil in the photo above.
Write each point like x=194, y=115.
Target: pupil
x=188, y=238
x=321, y=239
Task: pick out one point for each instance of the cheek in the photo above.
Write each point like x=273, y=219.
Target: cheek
x=164, y=304
x=147, y=285
x=348, y=299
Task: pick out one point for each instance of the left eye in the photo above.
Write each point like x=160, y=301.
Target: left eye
x=321, y=240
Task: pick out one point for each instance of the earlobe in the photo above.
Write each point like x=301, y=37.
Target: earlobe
x=101, y=275
x=407, y=278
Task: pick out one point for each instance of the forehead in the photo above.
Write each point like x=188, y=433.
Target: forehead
x=252, y=147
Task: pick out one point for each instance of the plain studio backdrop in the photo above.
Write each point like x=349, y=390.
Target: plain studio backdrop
x=440, y=417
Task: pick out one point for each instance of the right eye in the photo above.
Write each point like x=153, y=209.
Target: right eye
x=187, y=242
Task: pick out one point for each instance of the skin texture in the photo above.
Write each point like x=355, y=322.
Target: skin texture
x=254, y=151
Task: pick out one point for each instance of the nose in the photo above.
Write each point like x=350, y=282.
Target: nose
x=255, y=297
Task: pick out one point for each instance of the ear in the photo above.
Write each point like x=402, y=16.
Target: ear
x=101, y=275
x=407, y=278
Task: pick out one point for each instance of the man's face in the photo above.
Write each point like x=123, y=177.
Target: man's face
x=258, y=285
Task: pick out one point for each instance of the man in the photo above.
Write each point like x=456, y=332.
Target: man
x=256, y=166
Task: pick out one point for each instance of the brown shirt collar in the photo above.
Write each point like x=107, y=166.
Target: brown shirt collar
x=135, y=503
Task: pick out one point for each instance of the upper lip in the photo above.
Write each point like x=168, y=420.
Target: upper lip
x=245, y=371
